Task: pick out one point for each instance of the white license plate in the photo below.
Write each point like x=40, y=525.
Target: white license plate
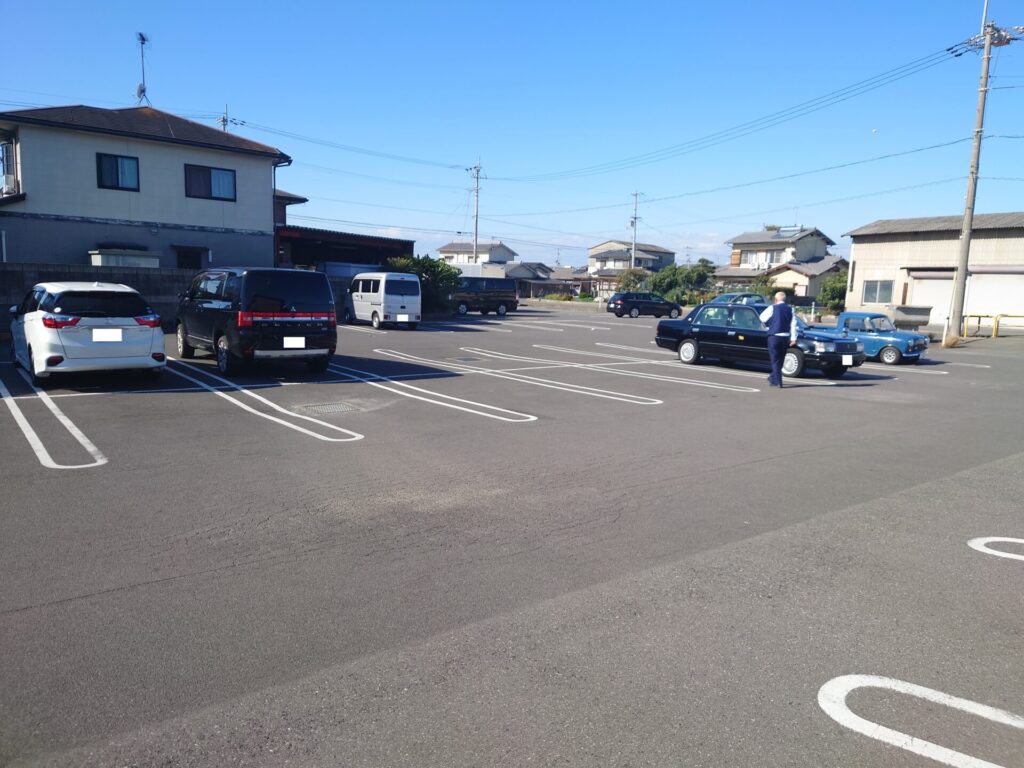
x=847, y=359
x=106, y=334
x=294, y=342
x=403, y=318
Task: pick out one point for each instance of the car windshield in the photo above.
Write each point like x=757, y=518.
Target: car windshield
x=882, y=324
x=402, y=287
x=97, y=304
x=281, y=291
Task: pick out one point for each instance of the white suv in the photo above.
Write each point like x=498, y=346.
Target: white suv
x=71, y=327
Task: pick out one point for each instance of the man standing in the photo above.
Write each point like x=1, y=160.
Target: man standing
x=781, y=322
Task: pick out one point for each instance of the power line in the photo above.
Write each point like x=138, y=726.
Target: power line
x=762, y=123
x=341, y=172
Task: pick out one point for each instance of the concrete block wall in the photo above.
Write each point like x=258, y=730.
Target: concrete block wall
x=160, y=287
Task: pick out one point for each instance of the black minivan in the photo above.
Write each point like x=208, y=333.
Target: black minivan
x=250, y=313
x=486, y=294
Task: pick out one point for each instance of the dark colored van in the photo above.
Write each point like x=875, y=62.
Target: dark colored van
x=243, y=314
x=486, y=294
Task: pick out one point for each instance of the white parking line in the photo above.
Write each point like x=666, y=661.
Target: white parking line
x=373, y=379
x=33, y=438
x=605, y=367
x=971, y=365
x=525, y=322
x=892, y=369
x=480, y=324
x=982, y=545
x=360, y=330
x=832, y=699
x=351, y=435
x=569, y=325
x=575, y=389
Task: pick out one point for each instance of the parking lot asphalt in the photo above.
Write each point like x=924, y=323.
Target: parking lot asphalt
x=538, y=539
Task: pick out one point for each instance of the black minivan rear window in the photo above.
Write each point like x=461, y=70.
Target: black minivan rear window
x=402, y=287
x=274, y=291
x=97, y=304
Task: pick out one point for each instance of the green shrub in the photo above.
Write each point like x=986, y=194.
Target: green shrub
x=558, y=297
x=584, y=297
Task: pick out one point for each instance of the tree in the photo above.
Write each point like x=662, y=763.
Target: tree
x=833, y=291
x=438, y=279
x=632, y=279
x=666, y=279
x=764, y=285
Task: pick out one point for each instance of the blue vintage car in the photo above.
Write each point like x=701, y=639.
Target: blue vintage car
x=880, y=338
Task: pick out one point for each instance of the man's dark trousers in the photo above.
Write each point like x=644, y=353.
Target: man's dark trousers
x=777, y=346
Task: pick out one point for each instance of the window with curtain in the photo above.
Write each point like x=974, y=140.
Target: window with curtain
x=209, y=183
x=117, y=172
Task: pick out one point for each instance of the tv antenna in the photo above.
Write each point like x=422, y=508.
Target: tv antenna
x=140, y=90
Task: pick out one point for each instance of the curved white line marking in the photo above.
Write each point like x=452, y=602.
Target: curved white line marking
x=832, y=698
x=33, y=438
x=275, y=406
x=981, y=545
x=605, y=367
x=361, y=330
x=576, y=389
x=374, y=380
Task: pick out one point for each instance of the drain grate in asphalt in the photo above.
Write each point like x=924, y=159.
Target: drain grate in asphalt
x=329, y=408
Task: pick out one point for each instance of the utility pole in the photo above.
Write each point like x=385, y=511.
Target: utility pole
x=475, y=171
x=992, y=35
x=632, y=223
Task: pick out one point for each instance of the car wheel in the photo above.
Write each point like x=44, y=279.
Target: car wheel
x=890, y=355
x=689, y=352
x=463, y=308
x=411, y=326
x=793, y=362
x=618, y=313
x=227, y=363
x=318, y=364
x=347, y=317
x=835, y=371
x=502, y=310
x=184, y=349
x=37, y=381
x=375, y=320
x=634, y=312
x=673, y=313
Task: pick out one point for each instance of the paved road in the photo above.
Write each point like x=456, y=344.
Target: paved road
x=535, y=541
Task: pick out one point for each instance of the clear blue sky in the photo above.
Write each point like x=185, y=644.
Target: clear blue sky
x=534, y=90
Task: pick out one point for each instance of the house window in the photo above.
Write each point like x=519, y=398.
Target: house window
x=209, y=183
x=878, y=291
x=117, y=172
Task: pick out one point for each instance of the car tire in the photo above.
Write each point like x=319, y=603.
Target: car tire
x=185, y=350
x=463, y=308
x=501, y=311
x=375, y=320
x=689, y=352
x=674, y=314
x=227, y=363
x=793, y=363
x=411, y=326
x=347, y=317
x=318, y=364
x=890, y=355
x=835, y=371
x=634, y=313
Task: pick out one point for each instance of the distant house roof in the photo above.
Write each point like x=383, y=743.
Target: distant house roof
x=622, y=254
x=290, y=230
x=811, y=267
x=141, y=123
x=778, y=236
x=463, y=247
x=570, y=273
x=739, y=272
x=288, y=198
x=639, y=247
x=939, y=224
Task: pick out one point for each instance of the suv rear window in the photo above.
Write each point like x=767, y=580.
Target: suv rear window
x=97, y=304
x=269, y=291
x=402, y=287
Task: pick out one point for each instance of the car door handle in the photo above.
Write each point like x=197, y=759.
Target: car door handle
x=732, y=333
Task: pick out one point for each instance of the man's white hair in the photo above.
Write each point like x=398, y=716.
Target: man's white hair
x=780, y=296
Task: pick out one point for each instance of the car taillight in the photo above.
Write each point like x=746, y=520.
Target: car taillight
x=54, y=360
x=150, y=321
x=59, y=321
x=158, y=356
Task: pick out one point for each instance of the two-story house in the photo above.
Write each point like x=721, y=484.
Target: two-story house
x=148, y=186
x=796, y=257
x=613, y=256
x=460, y=254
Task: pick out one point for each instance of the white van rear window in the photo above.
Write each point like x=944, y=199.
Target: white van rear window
x=402, y=287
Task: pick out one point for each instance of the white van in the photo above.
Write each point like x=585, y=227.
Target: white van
x=384, y=297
